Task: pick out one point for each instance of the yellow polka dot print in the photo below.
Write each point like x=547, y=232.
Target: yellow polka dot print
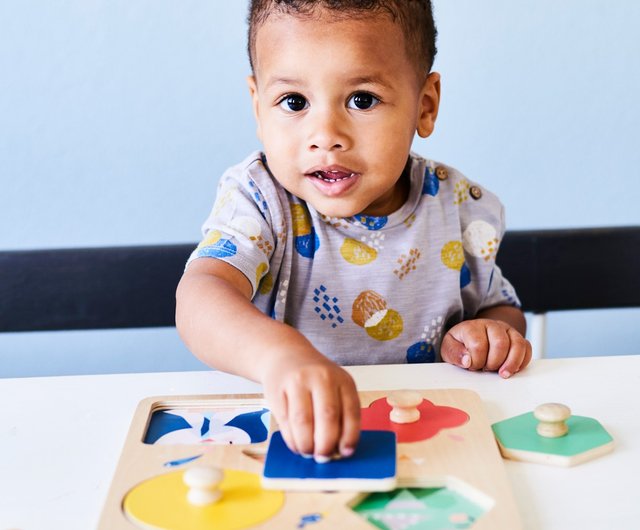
x=357, y=253
x=452, y=255
x=212, y=237
x=300, y=220
x=262, y=268
x=266, y=284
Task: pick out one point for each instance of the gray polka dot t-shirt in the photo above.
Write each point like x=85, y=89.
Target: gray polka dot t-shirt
x=363, y=290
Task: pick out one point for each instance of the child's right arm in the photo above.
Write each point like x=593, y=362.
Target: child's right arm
x=314, y=400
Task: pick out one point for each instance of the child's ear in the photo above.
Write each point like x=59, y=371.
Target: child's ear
x=253, y=92
x=429, y=104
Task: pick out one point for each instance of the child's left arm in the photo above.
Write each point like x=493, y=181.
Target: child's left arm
x=493, y=341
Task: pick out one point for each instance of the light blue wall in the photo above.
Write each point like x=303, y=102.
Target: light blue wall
x=117, y=117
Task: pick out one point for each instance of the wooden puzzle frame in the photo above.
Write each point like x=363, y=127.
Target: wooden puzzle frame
x=465, y=459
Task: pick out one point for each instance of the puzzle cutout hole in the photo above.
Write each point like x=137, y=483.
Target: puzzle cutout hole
x=239, y=425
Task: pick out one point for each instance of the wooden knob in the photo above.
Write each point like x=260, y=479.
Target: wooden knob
x=552, y=418
x=203, y=483
x=404, y=405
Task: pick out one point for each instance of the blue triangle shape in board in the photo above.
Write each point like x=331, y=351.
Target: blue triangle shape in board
x=162, y=423
x=252, y=424
x=205, y=426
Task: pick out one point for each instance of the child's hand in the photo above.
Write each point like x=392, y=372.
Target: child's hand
x=485, y=344
x=316, y=405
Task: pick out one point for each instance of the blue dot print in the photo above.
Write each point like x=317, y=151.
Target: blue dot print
x=307, y=244
x=431, y=183
x=223, y=248
x=371, y=222
x=421, y=352
x=327, y=306
x=465, y=276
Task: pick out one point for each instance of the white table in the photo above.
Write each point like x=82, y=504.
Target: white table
x=61, y=437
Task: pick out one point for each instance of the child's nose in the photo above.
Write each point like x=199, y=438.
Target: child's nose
x=328, y=132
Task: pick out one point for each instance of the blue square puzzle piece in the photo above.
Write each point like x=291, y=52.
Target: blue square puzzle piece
x=371, y=468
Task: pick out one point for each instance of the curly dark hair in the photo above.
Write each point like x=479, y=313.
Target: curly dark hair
x=414, y=16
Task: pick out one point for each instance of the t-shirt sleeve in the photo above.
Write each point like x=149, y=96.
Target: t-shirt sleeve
x=238, y=230
x=483, y=227
x=499, y=290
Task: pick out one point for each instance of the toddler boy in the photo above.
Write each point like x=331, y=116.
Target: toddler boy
x=336, y=245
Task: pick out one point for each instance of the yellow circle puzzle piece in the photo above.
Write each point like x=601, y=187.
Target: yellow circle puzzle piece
x=160, y=503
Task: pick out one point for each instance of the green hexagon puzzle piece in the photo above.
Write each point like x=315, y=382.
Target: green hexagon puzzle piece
x=518, y=440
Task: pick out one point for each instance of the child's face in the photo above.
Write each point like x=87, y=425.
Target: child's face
x=338, y=103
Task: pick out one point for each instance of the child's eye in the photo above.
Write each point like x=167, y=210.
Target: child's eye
x=362, y=101
x=293, y=103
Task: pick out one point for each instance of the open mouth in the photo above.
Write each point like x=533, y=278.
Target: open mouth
x=332, y=176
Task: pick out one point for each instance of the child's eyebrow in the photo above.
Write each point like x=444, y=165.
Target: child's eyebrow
x=282, y=81
x=368, y=80
x=352, y=81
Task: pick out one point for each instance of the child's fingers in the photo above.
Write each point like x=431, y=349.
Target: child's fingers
x=466, y=346
x=527, y=357
x=499, y=347
x=477, y=343
x=453, y=351
x=279, y=406
x=350, y=420
x=517, y=355
x=300, y=420
x=495, y=346
x=327, y=417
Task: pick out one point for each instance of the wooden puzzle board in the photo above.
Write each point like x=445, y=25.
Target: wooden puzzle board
x=464, y=458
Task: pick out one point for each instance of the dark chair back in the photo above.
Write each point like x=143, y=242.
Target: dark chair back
x=587, y=268
x=90, y=288
x=134, y=287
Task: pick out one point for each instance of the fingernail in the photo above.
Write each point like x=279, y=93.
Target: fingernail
x=321, y=459
x=303, y=455
x=466, y=360
x=347, y=452
x=505, y=374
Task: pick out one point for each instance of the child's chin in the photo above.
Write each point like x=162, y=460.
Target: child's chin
x=334, y=211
